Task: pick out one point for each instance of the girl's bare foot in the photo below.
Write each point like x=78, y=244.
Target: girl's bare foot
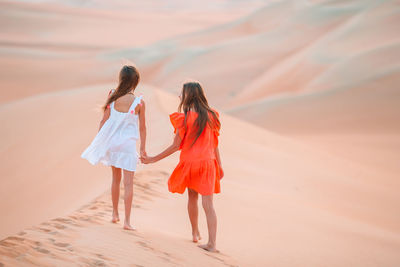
x=127, y=226
x=196, y=237
x=209, y=248
x=115, y=218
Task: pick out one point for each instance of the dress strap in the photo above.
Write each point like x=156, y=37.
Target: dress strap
x=135, y=103
x=109, y=93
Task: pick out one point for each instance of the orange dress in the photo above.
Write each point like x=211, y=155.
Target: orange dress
x=198, y=168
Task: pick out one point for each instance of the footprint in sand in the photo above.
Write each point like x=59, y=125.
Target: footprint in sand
x=7, y=244
x=44, y=230
x=226, y=260
x=102, y=257
x=15, y=238
x=93, y=262
x=42, y=250
x=60, y=226
x=160, y=254
x=54, y=233
x=63, y=245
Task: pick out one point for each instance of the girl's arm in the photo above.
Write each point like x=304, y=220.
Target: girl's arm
x=142, y=129
x=221, y=171
x=168, y=151
x=106, y=115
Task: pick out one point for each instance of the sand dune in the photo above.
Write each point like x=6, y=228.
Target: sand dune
x=335, y=207
x=299, y=68
x=45, y=42
x=306, y=50
x=307, y=92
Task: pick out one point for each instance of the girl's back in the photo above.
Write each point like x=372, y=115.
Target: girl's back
x=123, y=103
x=194, y=150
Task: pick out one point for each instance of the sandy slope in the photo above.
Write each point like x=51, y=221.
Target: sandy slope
x=320, y=191
x=281, y=214
x=334, y=55
x=43, y=43
x=324, y=72
x=87, y=238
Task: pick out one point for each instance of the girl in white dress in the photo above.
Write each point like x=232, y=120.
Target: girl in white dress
x=122, y=125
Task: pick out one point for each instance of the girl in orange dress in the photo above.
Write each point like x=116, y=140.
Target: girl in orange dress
x=199, y=169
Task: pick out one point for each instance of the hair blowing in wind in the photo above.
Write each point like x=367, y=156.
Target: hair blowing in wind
x=128, y=79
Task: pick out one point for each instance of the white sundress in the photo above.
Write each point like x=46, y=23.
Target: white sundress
x=115, y=143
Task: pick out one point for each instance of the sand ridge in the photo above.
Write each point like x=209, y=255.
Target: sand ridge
x=307, y=92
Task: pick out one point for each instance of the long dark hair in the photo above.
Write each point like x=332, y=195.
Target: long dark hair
x=128, y=79
x=193, y=98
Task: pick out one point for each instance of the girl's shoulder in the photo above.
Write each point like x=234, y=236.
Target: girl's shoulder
x=177, y=117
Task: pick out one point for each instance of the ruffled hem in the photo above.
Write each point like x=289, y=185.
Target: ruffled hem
x=203, y=176
x=126, y=161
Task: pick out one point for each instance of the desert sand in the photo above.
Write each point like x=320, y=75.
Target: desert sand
x=310, y=141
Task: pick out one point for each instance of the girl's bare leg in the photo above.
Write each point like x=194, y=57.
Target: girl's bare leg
x=128, y=187
x=115, y=185
x=193, y=211
x=211, y=216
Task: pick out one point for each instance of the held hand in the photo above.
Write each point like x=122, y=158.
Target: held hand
x=143, y=153
x=147, y=160
x=143, y=158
